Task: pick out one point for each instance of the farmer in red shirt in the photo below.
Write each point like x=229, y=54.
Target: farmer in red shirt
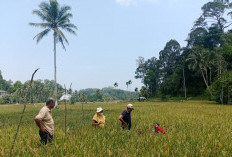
x=157, y=129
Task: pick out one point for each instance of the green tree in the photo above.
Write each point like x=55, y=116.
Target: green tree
x=227, y=55
x=198, y=62
x=149, y=71
x=151, y=82
x=213, y=38
x=136, y=89
x=223, y=1
x=98, y=95
x=144, y=92
x=222, y=88
x=170, y=72
x=5, y=85
x=115, y=84
x=54, y=18
x=220, y=62
x=214, y=13
x=197, y=37
x=141, y=69
x=127, y=84
x=169, y=55
x=136, y=92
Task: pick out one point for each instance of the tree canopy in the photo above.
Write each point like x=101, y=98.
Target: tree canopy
x=198, y=68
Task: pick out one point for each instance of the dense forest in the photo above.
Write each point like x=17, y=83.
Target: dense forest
x=42, y=89
x=202, y=68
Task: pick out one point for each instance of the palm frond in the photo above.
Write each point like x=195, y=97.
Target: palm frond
x=60, y=34
x=69, y=25
x=41, y=15
x=63, y=36
x=70, y=31
x=39, y=36
x=54, y=9
x=43, y=25
x=61, y=41
x=62, y=22
x=44, y=6
x=65, y=18
x=46, y=10
x=63, y=10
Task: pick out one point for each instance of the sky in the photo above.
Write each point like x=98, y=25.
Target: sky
x=111, y=35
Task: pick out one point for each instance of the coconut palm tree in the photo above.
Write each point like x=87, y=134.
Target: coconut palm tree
x=129, y=82
x=198, y=61
x=136, y=90
x=115, y=84
x=55, y=18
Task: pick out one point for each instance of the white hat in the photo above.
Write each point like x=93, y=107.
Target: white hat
x=99, y=109
x=130, y=106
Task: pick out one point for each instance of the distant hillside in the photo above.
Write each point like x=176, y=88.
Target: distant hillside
x=105, y=94
x=14, y=92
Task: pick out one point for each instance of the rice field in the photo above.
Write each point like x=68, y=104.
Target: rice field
x=194, y=128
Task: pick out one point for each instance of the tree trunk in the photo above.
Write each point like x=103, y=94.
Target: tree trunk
x=184, y=85
x=55, y=67
x=229, y=100
x=222, y=94
x=206, y=83
x=210, y=76
x=206, y=76
x=220, y=69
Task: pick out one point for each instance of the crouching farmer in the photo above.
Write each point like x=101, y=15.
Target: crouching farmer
x=157, y=129
x=99, y=118
x=45, y=122
x=125, y=117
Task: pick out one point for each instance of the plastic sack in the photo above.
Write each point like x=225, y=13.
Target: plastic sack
x=65, y=97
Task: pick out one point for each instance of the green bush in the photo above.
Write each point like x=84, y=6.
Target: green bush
x=222, y=88
x=2, y=101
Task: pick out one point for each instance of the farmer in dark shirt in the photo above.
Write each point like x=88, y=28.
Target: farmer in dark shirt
x=125, y=117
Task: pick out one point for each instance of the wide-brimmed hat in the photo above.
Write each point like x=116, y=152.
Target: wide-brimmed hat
x=130, y=106
x=99, y=109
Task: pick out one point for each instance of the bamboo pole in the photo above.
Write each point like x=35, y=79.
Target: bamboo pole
x=24, y=108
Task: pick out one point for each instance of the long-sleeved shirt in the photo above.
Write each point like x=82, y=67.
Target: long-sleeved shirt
x=158, y=130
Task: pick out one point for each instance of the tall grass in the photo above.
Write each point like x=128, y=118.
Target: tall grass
x=194, y=128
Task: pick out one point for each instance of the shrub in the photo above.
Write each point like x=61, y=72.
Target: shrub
x=222, y=88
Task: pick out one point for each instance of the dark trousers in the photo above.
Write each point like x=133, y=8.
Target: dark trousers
x=45, y=137
x=128, y=127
